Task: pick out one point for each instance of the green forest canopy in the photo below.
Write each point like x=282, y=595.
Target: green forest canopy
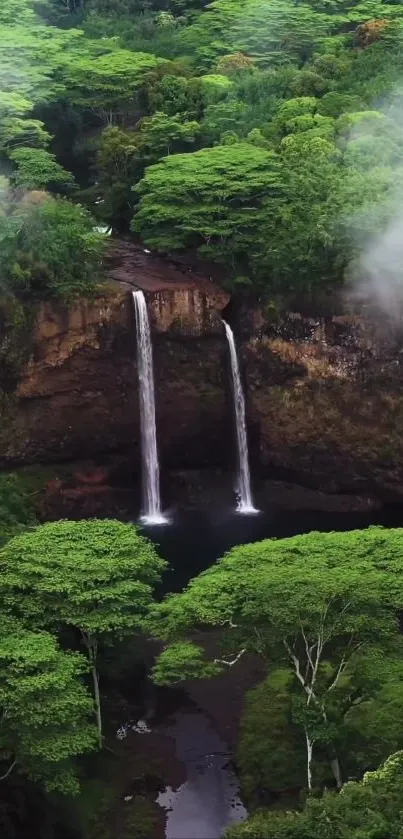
x=277, y=123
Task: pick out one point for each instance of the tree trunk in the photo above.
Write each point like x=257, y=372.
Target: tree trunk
x=335, y=765
x=309, y=750
x=97, y=702
x=91, y=645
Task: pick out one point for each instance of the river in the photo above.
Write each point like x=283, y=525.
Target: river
x=209, y=800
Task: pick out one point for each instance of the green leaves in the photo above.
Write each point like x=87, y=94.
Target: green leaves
x=94, y=575
x=322, y=605
x=37, y=168
x=183, y=661
x=50, y=246
x=45, y=708
x=106, y=83
x=370, y=809
x=209, y=199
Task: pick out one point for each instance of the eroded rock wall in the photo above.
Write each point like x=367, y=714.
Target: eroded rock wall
x=324, y=395
x=78, y=393
x=326, y=401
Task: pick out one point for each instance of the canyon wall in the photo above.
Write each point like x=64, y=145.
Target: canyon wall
x=326, y=400
x=78, y=394
x=324, y=395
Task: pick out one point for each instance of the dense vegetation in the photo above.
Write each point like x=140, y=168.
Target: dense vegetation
x=264, y=136
x=71, y=592
x=320, y=610
x=370, y=809
x=300, y=605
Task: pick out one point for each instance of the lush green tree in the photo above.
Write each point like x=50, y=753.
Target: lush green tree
x=300, y=235
x=16, y=128
x=124, y=155
x=107, y=83
x=260, y=29
x=365, y=710
x=94, y=576
x=162, y=135
x=222, y=117
x=170, y=93
x=298, y=602
x=270, y=755
x=219, y=217
x=365, y=810
x=117, y=167
x=50, y=248
x=16, y=510
x=38, y=169
x=46, y=711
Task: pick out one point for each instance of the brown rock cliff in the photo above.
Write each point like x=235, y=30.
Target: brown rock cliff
x=324, y=395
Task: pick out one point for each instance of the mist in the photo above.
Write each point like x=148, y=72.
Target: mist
x=375, y=273
x=376, y=276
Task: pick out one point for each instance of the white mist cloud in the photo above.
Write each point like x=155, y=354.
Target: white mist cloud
x=377, y=274
x=375, y=147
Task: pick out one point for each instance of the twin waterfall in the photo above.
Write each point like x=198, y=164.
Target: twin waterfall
x=245, y=503
x=149, y=453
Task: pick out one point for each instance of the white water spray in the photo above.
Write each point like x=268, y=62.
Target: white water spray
x=149, y=452
x=245, y=503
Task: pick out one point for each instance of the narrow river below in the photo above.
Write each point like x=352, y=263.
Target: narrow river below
x=208, y=801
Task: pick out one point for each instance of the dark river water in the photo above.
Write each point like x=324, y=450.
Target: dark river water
x=194, y=539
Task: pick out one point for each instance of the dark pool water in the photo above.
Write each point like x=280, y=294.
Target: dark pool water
x=194, y=539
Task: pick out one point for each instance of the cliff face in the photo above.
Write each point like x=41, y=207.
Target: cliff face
x=324, y=397
x=78, y=394
x=326, y=401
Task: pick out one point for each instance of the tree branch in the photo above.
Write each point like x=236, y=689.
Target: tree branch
x=307, y=647
x=230, y=663
x=9, y=770
x=343, y=664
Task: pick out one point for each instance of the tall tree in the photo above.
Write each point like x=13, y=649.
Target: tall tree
x=94, y=576
x=299, y=602
x=107, y=83
x=364, y=810
x=49, y=247
x=46, y=711
x=210, y=200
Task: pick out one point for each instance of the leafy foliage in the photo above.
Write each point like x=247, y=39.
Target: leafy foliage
x=364, y=810
x=169, y=77
x=52, y=565
x=270, y=757
x=107, y=83
x=49, y=248
x=37, y=169
x=94, y=576
x=220, y=216
x=46, y=710
x=16, y=510
x=300, y=603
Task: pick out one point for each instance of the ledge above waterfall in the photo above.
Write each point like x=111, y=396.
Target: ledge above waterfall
x=180, y=301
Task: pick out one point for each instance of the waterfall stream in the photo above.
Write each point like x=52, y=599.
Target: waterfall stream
x=149, y=453
x=245, y=502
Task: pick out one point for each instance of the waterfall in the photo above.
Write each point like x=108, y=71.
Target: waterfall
x=149, y=453
x=245, y=502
